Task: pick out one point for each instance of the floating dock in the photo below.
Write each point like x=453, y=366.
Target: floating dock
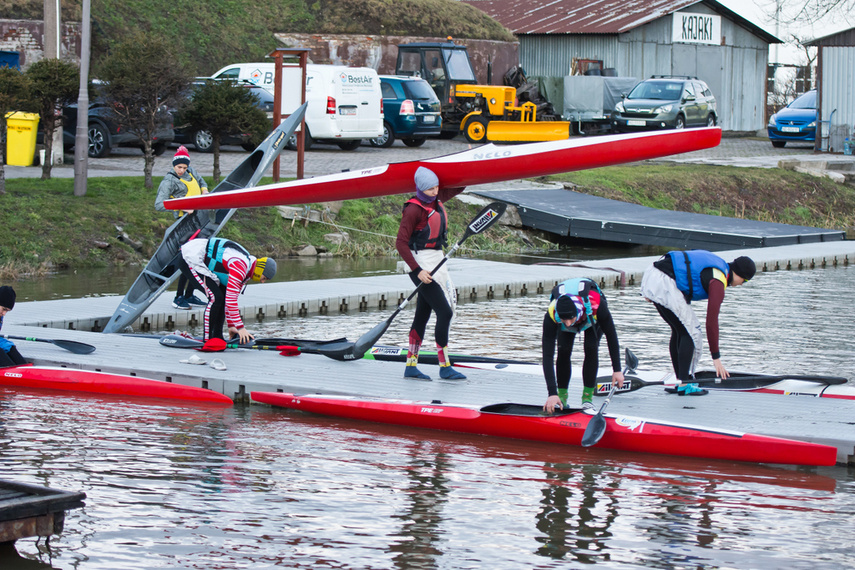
x=803, y=418
x=30, y=510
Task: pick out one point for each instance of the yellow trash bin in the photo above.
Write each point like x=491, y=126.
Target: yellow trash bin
x=21, y=131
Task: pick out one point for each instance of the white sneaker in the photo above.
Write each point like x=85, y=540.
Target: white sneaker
x=587, y=406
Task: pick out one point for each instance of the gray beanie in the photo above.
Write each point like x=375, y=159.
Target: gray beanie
x=425, y=179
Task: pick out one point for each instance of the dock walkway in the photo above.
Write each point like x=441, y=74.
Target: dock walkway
x=809, y=419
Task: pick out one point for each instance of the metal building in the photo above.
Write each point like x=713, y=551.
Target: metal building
x=640, y=38
x=835, y=88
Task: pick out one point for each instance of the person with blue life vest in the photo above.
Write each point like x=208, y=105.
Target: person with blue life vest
x=222, y=268
x=577, y=306
x=421, y=236
x=9, y=355
x=181, y=181
x=676, y=280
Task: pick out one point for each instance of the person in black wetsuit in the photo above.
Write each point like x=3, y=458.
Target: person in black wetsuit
x=9, y=355
x=676, y=280
x=421, y=237
x=576, y=306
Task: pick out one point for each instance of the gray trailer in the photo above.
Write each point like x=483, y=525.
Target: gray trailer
x=590, y=99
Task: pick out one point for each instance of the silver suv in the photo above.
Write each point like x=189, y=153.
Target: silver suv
x=665, y=102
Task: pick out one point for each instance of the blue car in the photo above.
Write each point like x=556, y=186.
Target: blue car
x=411, y=111
x=794, y=123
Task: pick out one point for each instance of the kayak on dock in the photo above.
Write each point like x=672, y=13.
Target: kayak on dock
x=529, y=422
x=57, y=378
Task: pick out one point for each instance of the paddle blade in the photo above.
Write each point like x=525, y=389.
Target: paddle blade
x=285, y=350
x=75, y=347
x=364, y=343
x=595, y=430
x=485, y=218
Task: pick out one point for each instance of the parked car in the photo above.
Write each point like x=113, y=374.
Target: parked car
x=204, y=141
x=411, y=111
x=665, y=102
x=106, y=134
x=794, y=123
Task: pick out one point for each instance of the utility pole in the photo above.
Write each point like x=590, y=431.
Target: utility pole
x=53, y=50
x=81, y=136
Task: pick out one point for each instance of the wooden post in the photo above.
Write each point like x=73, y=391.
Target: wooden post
x=302, y=57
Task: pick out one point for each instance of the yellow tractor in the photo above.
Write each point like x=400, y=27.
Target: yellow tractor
x=497, y=117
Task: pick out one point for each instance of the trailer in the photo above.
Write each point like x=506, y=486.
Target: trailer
x=590, y=99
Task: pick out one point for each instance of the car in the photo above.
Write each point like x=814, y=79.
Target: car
x=794, y=123
x=105, y=133
x=204, y=142
x=411, y=111
x=665, y=102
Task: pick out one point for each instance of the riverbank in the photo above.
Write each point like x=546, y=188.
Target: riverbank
x=116, y=224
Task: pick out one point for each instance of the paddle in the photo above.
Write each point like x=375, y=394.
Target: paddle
x=70, y=345
x=485, y=218
x=735, y=382
x=179, y=341
x=597, y=426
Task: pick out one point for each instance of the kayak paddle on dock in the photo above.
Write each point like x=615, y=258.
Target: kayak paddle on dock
x=70, y=345
x=597, y=426
x=736, y=381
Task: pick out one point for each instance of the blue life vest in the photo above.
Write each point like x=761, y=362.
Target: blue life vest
x=214, y=257
x=433, y=235
x=687, y=271
x=578, y=289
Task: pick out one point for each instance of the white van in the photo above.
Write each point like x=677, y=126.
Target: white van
x=345, y=103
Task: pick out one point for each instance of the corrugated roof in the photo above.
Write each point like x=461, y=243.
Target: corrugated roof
x=592, y=16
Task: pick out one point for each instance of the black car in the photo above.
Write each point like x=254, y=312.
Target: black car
x=204, y=142
x=105, y=133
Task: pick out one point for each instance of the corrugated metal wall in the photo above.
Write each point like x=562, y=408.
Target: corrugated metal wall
x=838, y=94
x=735, y=71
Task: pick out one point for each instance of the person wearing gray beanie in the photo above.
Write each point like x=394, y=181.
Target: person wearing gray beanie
x=676, y=280
x=422, y=235
x=9, y=355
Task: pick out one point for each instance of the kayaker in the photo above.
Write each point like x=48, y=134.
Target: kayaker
x=576, y=306
x=9, y=355
x=421, y=237
x=222, y=268
x=676, y=280
x=181, y=181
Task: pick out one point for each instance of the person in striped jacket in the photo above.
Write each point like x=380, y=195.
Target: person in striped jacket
x=223, y=268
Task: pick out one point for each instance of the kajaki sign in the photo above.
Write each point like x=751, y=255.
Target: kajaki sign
x=696, y=28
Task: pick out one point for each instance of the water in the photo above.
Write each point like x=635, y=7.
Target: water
x=250, y=487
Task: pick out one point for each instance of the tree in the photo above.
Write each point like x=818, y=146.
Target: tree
x=143, y=77
x=223, y=107
x=14, y=96
x=53, y=85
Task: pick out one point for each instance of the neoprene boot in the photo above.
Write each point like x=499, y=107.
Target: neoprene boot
x=413, y=372
x=449, y=373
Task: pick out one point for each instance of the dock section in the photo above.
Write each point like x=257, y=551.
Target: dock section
x=31, y=510
x=571, y=214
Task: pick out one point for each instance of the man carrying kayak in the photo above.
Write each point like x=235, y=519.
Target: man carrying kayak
x=676, y=280
x=577, y=306
x=223, y=268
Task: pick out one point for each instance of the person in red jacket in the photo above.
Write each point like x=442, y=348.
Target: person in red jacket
x=421, y=237
x=222, y=268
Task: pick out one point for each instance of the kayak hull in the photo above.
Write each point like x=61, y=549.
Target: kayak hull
x=520, y=421
x=71, y=379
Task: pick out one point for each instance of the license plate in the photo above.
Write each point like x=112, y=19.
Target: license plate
x=347, y=110
x=790, y=129
x=632, y=123
x=428, y=119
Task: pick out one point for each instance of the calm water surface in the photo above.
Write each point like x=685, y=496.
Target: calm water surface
x=251, y=487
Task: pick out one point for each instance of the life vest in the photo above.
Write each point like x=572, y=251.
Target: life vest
x=579, y=290
x=214, y=256
x=433, y=235
x=193, y=188
x=687, y=271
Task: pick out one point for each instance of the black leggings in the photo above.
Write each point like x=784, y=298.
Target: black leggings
x=591, y=363
x=11, y=358
x=681, y=346
x=431, y=297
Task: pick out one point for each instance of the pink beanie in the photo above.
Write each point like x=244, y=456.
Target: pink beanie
x=181, y=156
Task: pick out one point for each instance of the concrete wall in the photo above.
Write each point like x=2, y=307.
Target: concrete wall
x=27, y=38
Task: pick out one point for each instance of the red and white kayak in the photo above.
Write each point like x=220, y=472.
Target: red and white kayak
x=57, y=378
x=481, y=165
x=521, y=421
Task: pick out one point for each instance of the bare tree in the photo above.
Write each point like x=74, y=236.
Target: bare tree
x=53, y=84
x=14, y=95
x=144, y=77
x=811, y=11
